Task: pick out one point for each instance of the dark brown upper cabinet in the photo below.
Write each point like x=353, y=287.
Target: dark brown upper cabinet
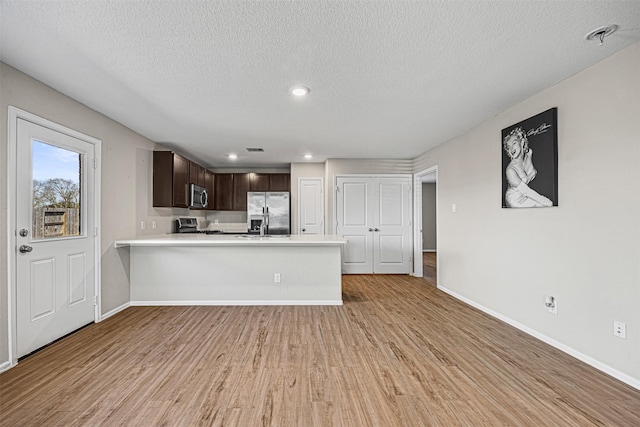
x=270, y=181
x=170, y=180
x=279, y=182
x=231, y=191
x=196, y=174
x=241, y=186
x=259, y=181
x=209, y=184
x=223, y=192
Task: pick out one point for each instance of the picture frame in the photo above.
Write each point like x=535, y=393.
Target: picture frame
x=530, y=162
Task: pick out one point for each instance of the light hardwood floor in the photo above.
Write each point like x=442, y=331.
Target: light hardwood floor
x=398, y=353
x=429, y=267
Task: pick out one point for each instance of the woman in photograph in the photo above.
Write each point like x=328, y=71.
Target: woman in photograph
x=520, y=172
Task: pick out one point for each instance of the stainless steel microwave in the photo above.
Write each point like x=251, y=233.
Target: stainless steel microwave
x=199, y=198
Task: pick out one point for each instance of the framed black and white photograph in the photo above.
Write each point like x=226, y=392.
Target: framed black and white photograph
x=530, y=162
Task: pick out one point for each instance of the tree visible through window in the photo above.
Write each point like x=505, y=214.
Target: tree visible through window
x=56, y=191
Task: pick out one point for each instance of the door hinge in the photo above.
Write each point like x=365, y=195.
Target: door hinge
x=95, y=300
x=337, y=188
x=95, y=232
x=95, y=163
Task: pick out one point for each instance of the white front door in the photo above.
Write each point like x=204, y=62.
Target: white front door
x=55, y=240
x=311, y=206
x=374, y=215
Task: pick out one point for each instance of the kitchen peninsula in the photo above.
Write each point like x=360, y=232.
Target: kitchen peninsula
x=201, y=269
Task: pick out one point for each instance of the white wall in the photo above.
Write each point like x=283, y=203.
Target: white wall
x=586, y=251
x=429, y=217
x=126, y=182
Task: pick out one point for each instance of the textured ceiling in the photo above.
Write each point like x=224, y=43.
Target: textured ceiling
x=388, y=79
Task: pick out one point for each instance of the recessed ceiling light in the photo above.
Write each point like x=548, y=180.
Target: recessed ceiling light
x=308, y=156
x=233, y=156
x=600, y=33
x=300, y=90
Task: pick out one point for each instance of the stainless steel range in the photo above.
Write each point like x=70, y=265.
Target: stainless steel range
x=186, y=225
x=190, y=225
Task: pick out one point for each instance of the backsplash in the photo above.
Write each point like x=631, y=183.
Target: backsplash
x=233, y=221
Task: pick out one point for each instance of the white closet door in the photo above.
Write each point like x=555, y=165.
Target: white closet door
x=374, y=215
x=392, y=226
x=354, y=223
x=310, y=206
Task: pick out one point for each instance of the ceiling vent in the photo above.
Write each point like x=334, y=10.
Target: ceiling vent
x=255, y=150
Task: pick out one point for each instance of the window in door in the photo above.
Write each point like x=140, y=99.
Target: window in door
x=56, y=192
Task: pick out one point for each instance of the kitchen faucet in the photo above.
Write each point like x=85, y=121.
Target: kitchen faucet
x=265, y=220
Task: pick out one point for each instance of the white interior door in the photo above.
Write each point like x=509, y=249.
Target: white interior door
x=310, y=206
x=374, y=215
x=55, y=240
x=355, y=223
x=392, y=229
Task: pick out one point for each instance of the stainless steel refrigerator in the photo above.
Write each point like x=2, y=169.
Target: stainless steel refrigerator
x=271, y=209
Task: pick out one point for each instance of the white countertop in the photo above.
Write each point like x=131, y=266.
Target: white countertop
x=233, y=240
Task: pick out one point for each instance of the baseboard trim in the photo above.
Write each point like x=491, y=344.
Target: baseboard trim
x=115, y=311
x=237, y=302
x=5, y=366
x=429, y=250
x=627, y=379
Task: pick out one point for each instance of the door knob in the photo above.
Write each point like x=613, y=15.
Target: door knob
x=375, y=229
x=25, y=249
x=24, y=232
x=371, y=229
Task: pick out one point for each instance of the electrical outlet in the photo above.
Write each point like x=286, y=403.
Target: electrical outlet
x=142, y=225
x=276, y=278
x=454, y=208
x=154, y=225
x=215, y=221
x=620, y=329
